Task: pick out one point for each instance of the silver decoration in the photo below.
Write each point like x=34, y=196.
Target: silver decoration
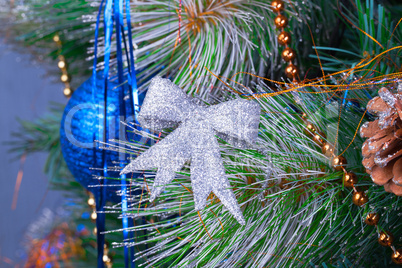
x=165, y=106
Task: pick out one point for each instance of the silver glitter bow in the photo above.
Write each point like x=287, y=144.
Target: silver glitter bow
x=166, y=106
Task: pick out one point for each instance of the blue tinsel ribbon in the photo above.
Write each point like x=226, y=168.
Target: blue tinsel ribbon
x=118, y=13
x=114, y=7
x=100, y=202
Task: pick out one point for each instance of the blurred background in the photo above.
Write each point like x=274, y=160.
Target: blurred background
x=25, y=196
x=47, y=219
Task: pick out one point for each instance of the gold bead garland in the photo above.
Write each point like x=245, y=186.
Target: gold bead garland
x=107, y=258
x=288, y=54
x=284, y=39
x=277, y=5
x=385, y=239
x=65, y=78
x=359, y=198
x=92, y=204
x=372, y=219
x=397, y=256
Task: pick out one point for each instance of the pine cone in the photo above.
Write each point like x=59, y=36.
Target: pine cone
x=382, y=151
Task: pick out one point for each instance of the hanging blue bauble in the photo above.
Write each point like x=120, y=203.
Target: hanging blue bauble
x=83, y=123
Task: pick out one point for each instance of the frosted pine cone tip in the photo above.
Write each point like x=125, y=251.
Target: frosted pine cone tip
x=382, y=151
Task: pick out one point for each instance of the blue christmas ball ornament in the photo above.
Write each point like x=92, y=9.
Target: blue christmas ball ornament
x=84, y=122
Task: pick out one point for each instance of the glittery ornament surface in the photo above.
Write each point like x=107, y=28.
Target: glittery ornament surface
x=80, y=125
x=165, y=106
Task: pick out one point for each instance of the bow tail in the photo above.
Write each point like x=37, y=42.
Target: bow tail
x=168, y=156
x=208, y=174
x=163, y=177
x=200, y=184
x=228, y=199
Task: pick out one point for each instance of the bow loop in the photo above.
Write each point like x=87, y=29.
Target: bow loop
x=165, y=106
x=236, y=121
